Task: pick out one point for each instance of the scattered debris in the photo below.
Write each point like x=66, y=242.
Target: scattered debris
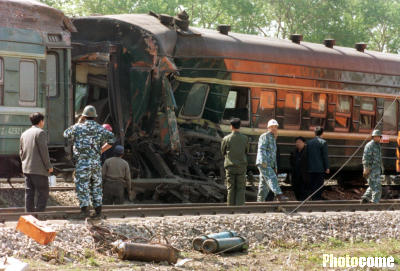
x=223, y=245
x=226, y=241
x=36, y=229
x=13, y=264
x=198, y=241
x=151, y=252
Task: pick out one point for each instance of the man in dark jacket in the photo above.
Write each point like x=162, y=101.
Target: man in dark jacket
x=299, y=165
x=234, y=148
x=318, y=164
x=36, y=164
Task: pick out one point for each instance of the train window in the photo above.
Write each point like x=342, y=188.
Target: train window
x=267, y=107
x=318, y=110
x=292, y=111
x=27, y=82
x=367, y=114
x=237, y=104
x=390, y=117
x=51, y=74
x=1, y=81
x=195, y=101
x=343, y=113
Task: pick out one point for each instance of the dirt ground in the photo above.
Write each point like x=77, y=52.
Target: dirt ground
x=280, y=256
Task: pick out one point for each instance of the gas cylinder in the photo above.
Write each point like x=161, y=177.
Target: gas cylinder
x=147, y=252
x=232, y=244
x=198, y=241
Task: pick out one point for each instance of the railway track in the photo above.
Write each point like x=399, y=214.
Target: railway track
x=52, y=188
x=160, y=210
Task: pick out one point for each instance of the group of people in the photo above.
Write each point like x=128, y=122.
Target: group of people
x=309, y=165
x=90, y=140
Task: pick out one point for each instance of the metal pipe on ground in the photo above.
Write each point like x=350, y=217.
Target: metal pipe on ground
x=198, y=241
x=225, y=245
x=147, y=252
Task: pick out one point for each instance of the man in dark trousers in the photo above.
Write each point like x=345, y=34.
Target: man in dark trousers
x=318, y=164
x=299, y=167
x=234, y=148
x=116, y=178
x=36, y=164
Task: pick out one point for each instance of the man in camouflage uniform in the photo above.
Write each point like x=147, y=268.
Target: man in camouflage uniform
x=90, y=139
x=234, y=148
x=373, y=168
x=267, y=164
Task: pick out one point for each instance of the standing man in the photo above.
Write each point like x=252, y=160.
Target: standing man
x=234, y=148
x=267, y=165
x=116, y=178
x=36, y=166
x=373, y=168
x=318, y=163
x=298, y=163
x=90, y=140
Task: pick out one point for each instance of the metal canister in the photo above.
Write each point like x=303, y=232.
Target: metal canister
x=198, y=241
x=226, y=245
x=147, y=252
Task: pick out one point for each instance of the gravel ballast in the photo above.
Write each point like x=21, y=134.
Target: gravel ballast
x=264, y=230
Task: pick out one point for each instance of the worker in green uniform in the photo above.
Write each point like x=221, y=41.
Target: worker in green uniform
x=373, y=168
x=234, y=148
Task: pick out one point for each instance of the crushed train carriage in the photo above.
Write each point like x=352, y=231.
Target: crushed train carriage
x=169, y=91
x=35, y=68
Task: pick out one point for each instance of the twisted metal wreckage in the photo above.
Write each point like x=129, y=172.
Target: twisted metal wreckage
x=124, y=66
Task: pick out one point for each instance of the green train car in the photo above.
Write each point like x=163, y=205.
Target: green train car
x=35, y=68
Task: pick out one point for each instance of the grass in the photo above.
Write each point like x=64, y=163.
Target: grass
x=281, y=256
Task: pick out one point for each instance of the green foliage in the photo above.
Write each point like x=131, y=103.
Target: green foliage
x=376, y=22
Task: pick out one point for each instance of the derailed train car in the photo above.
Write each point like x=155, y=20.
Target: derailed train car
x=35, y=62
x=169, y=91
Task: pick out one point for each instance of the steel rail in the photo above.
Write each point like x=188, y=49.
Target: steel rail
x=160, y=210
x=51, y=188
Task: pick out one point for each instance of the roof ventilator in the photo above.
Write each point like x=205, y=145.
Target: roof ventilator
x=329, y=43
x=166, y=19
x=296, y=38
x=224, y=29
x=182, y=20
x=361, y=46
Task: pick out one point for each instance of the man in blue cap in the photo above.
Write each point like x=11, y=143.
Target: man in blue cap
x=117, y=178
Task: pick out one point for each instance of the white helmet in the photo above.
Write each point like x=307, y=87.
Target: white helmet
x=272, y=122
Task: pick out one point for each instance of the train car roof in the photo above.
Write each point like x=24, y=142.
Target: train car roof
x=165, y=36
x=31, y=14
x=250, y=47
x=198, y=42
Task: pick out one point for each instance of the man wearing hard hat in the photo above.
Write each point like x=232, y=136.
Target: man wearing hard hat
x=267, y=164
x=373, y=168
x=90, y=140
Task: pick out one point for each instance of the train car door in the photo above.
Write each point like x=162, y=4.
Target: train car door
x=57, y=96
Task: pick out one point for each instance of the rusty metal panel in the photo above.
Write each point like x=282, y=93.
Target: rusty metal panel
x=212, y=44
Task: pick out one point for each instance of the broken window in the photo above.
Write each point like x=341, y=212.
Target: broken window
x=292, y=111
x=343, y=113
x=52, y=74
x=390, y=117
x=27, y=82
x=318, y=110
x=237, y=104
x=367, y=114
x=195, y=101
x=267, y=107
x=1, y=81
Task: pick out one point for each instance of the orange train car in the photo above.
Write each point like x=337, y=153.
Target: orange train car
x=181, y=85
